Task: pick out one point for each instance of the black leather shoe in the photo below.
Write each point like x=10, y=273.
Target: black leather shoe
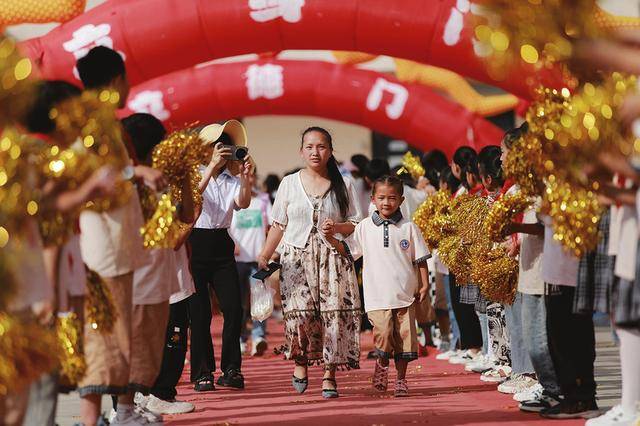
x=231, y=379
x=204, y=384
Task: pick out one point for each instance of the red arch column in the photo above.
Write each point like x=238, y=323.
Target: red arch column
x=217, y=92
x=161, y=36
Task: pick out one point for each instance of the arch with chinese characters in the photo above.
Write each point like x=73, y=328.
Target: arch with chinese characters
x=186, y=33
x=213, y=92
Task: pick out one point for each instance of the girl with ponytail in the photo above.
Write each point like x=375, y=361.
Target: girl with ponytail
x=319, y=289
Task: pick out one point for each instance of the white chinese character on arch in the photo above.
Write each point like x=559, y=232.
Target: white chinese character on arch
x=86, y=38
x=268, y=10
x=393, y=109
x=151, y=102
x=264, y=81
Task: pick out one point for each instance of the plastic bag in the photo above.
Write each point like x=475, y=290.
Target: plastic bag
x=261, y=301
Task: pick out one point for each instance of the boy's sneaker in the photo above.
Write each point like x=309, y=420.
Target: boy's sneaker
x=380, y=377
x=402, y=389
x=516, y=383
x=232, y=378
x=544, y=401
x=444, y=356
x=614, y=417
x=160, y=406
x=482, y=364
x=140, y=400
x=571, y=410
x=258, y=346
x=534, y=392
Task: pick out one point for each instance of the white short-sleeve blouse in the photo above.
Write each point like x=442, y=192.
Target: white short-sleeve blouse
x=293, y=209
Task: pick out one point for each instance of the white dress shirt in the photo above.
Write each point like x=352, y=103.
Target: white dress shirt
x=218, y=201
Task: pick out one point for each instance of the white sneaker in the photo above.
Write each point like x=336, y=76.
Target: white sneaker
x=134, y=419
x=465, y=358
x=258, y=346
x=615, y=416
x=482, y=364
x=516, y=384
x=444, y=356
x=140, y=400
x=496, y=375
x=534, y=392
x=160, y=406
x=149, y=416
x=112, y=416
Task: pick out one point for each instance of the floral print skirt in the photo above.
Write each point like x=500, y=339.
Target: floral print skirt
x=321, y=305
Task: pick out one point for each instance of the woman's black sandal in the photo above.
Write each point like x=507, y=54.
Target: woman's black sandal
x=300, y=384
x=204, y=384
x=330, y=393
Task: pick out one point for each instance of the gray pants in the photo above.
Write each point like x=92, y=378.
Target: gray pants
x=43, y=399
x=534, y=315
x=520, y=359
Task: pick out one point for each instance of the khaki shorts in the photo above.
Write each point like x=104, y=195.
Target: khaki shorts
x=394, y=333
x=148, y=334
x=108, y=355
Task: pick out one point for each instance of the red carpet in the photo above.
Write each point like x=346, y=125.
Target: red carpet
x=441, y=394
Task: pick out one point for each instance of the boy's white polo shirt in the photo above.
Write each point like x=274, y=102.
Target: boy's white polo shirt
x=390, y=248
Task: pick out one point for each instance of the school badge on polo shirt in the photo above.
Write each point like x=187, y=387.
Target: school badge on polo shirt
x=404, y=244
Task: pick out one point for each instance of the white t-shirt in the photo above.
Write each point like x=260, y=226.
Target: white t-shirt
x=185, y=280
x=293, y=209
x=155, y=281
x=218, y=201
x=249, y=227
x=530, y=266
x=31, y=282
x=73, y=278
x=559, y=267
x=625, y=266
x=110, y=241
x=389, y=274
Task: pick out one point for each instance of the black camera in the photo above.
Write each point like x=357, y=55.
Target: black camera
x=239, y=153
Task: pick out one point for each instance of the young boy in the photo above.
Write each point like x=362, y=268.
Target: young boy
x=392, y=247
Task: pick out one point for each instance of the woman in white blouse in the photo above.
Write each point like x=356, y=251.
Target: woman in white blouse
x=319, y=289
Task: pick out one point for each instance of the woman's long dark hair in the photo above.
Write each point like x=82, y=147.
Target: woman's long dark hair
x=338, y=188
x=466, y=158
x=511, y=136
x=490, y=164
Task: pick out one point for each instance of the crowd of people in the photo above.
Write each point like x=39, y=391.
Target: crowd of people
x=350, y=257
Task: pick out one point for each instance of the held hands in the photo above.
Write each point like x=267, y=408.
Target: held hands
x=153, y=178
x=328, y=228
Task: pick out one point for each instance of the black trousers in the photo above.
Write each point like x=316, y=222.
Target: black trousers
x=175, y=350
x=468, y=322
x=213, y=266
x=572, y=345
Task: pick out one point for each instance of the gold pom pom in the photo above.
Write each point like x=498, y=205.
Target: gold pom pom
x=540, y=33
x=411, y=164
x=496, y=274
x=575, y=213
x=72, y=362
x=502, y=213
x=430, y=217
x=25, y=353
x=523, y=164
x=17, y=84
x=100, y=310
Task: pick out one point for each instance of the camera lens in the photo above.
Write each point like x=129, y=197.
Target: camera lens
x=241, y=152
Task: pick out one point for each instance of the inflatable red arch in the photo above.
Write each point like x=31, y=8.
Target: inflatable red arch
x=160, y=36
x=216, y=92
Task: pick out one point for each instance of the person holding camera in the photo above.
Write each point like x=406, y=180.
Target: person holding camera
x=225, y=187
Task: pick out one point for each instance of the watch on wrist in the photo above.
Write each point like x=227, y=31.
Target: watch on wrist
x=128, y=172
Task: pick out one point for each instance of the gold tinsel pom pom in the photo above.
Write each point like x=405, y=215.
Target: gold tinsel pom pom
x=159, y=229
x=100, y=310
x=17, y=85
x=502, y=213
x=495, y=274
x=575, y=213
x=411, y=164
x=467, y=216
x=524, y=163
x=541, y=33
x=25, y=352
x=431, y=217
x=72, y=362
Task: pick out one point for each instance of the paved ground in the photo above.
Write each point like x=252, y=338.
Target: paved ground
x=441, y=394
